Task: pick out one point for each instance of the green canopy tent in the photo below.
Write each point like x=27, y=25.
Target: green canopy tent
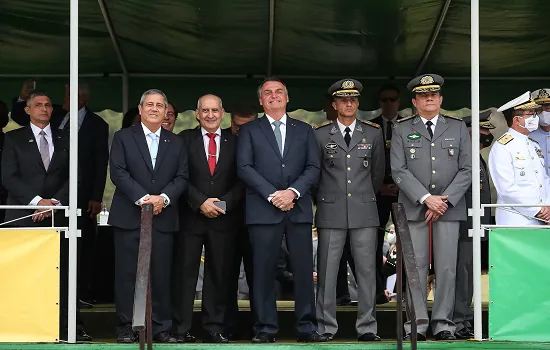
x=188, y=48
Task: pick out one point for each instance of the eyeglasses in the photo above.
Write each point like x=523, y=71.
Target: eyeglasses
x=389, y=99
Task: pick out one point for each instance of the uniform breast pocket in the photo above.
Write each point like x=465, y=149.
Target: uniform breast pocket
x=451, y=147
x=332, y=157
x=520, y=170
x=365, y=155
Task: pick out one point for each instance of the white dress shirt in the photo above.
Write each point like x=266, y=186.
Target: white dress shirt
x=282, y=127
x=36, y=132
x=206, y=140
x=81, y=115
x=434, y=122
x=146, y=131
x=343, y=128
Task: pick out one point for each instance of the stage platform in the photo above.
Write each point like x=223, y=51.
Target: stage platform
x=386, y=345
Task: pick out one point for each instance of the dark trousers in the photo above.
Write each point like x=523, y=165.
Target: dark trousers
x=126, y=256
x=243, y=252
x=266, y=242
x=86, y=254
x=218, y=258
x=64, y=286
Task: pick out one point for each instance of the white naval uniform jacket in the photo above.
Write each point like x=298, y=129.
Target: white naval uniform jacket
x=516, y=165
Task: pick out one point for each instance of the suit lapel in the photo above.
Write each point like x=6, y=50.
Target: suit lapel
x=336, y=136
x=32, y=145
x=419, y=127
x=164, y=145
x=357, y=135
x=57, y=148
x=440, y=127
x=290, y=133
x=222, y=157
x=270, y=135
x=200, y=152
x=139, y=137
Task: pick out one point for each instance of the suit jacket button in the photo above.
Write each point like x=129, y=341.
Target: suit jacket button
x=211, y=182
x=153, y=181
x=283, y=165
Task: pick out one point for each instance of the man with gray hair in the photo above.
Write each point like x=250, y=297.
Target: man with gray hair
x=148, y=166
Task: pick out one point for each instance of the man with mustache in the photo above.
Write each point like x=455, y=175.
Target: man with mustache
x=352, y=172
x=431, y=163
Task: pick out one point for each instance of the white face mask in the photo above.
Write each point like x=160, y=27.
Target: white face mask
x=531, y=123
x=544, y=118
x=391, y=238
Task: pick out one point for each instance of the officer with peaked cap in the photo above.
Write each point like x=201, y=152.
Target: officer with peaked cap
x=352, y=171
x=431, y=164
x=463, y=316
x=516, y=165
x=542, y=134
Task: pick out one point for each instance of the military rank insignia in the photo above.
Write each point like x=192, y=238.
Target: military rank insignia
x=539, y=152
x=413, y=136
x=388, y=144
x=504, y=139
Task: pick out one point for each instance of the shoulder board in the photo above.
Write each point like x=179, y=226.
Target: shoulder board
x=535, y=141
x=504, y=139
x=320, y=125
x=368, y=122
x=407, y=118
x=451, y=117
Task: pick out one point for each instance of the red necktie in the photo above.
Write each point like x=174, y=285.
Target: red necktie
x=212, y=152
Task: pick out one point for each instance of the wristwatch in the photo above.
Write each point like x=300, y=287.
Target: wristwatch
x=166, y=202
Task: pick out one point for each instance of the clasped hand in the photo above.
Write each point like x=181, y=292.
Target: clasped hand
x=284, y=200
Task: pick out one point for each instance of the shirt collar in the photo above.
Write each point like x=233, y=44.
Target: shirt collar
x=386, y=120
x=517, y=134
x=343, y=127
x=146, y=131
x=36, y=130
x=434, y=120
x=204, y=132
x=82, y=112
x=282, y=120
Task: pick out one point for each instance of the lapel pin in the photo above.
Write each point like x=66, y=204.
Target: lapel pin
x=31, y=140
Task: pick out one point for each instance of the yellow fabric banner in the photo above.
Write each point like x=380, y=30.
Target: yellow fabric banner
x=29, y=289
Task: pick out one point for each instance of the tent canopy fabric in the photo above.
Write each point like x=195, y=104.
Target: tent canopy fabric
x=189, y=47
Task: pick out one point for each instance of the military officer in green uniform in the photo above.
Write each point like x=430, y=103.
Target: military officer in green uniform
x=431, y=163
x=352, y=171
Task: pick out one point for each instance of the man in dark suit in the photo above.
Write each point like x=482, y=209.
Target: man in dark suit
x=211, y=218
x=240, y=115
x=148, y=165
x=35, y=171
x=388, y=97
x=93, y=158
x=4, y=120
x=278, y=161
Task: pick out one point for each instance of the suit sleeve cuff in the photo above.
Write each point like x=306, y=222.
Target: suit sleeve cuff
x=295, y=191
x=35, y=200
x=139, y=201
x=166, y=199
x=423, y=198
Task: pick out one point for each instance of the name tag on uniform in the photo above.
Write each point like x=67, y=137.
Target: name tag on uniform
x=364, y=146
x=520, y=157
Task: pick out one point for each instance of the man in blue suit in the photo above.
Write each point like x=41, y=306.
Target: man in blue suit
x=278, y=161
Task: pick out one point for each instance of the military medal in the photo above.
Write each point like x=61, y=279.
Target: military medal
x=413, y=150
x=331, y=146
x=539, y=152
x=451, y=151
x=365, y=163
x=388, y=144
x=414, y=136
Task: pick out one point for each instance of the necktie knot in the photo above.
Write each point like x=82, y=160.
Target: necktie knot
x=153, y=136
x=429, y=123
x=347, y=129
x=429, y=126
x=42, y=133
x=211, y=135
x=277, y=123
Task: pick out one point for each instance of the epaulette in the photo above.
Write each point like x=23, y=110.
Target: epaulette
x=368, y=122
x=407, y=118
x=451, y=117
x=320, y=125
x=504, y=139
x=535, y=141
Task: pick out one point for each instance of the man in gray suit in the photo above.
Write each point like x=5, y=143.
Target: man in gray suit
x=431, y=163
x=352, y=171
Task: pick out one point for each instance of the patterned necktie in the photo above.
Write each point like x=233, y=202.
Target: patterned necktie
x=212, y=151
x=278, y=135
x=44, y=150
x=347, y=137
x=429, y=126
x=153, y=149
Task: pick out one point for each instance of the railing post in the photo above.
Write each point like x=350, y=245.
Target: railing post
x=142, y=296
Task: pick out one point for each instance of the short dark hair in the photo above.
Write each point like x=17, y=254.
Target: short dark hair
x=247, y=110
x=509, y=116
x=129, y=117
x=268, y=79
x=36, y=94
x=388, y=88
x=176, y=111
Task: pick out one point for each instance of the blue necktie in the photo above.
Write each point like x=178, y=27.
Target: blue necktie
x=153, y=150
x=278, y=135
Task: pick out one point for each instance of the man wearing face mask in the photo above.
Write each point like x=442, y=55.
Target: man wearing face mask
x=516, y=164
x=542, y=134
x=463, y=316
